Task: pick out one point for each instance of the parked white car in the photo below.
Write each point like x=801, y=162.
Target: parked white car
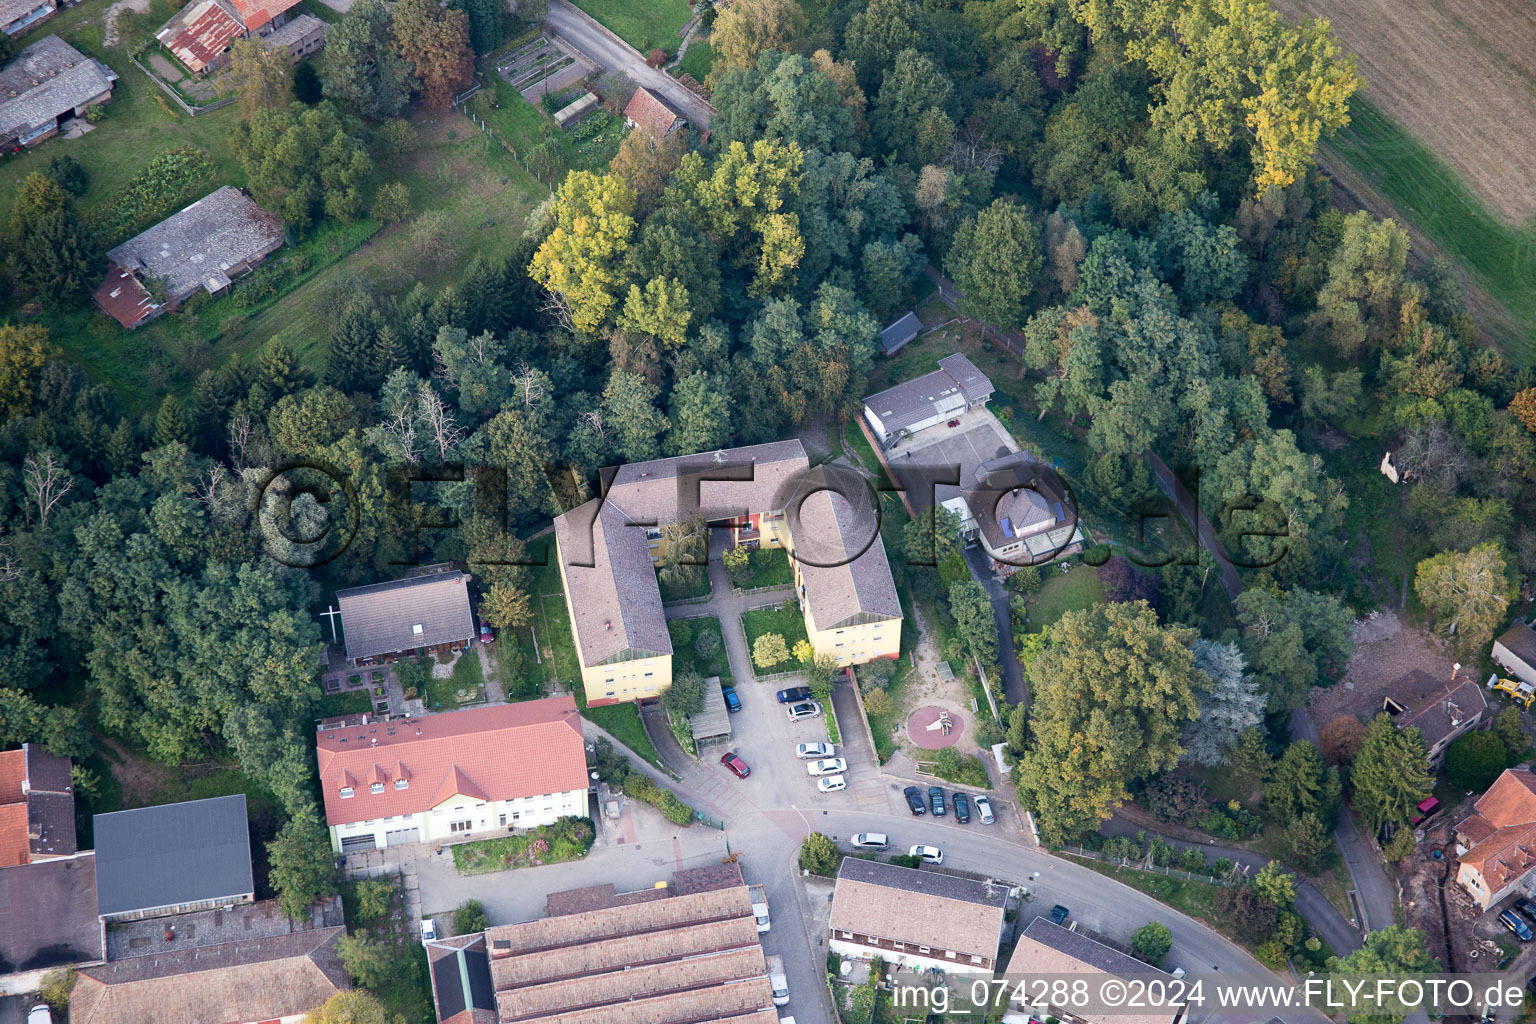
x=832, y=784
x=831, y=766
x=814, y=751
x=929, y=854
x=40, y=1014
x=804, y=709
x=428, y=930
x=870, y=841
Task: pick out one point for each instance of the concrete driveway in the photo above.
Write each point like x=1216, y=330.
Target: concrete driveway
x=598, y=44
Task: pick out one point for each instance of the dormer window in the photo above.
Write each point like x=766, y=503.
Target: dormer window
x=376, y=788
x=346, y=792
x=402, y=783
x=416, y=629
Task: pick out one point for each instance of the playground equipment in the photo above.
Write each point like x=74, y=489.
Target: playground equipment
x=1522, y=693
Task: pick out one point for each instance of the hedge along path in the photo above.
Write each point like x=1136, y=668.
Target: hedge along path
x=1460, y=75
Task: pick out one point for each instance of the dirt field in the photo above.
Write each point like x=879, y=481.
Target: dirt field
x=1385, y=650
x=1460, y=74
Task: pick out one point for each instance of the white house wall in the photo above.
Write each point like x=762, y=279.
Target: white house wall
x=1516, y=666
x=493, y=817
x=913, y=961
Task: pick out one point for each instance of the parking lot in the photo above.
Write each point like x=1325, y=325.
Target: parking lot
x=978, y=438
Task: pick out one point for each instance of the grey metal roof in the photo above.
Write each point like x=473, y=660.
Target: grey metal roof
x=714, y=720
x=1083, y=949
x=401, y=615
x=899, y=333
x=1520, y=640
x=153, y=857
x=610, y=580
x=933, y=883
x=295, y=29
x=220, y=231
x=12, y=10
x=955, y=385
x=45, y=80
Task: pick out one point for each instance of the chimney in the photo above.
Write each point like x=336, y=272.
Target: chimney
x=170, y=935
x=373, y=741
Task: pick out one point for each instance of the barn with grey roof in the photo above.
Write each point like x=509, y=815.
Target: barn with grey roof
x=48, y=83
x=172, y=859
x=927, y=401
x=385, y=621
x=221, y=237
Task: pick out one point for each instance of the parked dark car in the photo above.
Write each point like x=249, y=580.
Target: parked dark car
x=1526, y=909
x=737, y=766
x=936, y=800
x=962, y=809
x=1059, y=914
x=732, y=702
x=914, y=801
x=793, y=694
x=1509, y=919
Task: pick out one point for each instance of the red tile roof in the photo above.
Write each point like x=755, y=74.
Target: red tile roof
x=200, y=33
x=122, y=297
x=15, y=843
x=13, y=772
x=651, y=112
x=503, y=752
x=256, y=13
x=1503, y=829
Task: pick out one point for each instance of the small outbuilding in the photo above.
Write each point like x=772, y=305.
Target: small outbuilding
x=713, y=724
x=1515, y=652
x=901, y=331
x=48, y=83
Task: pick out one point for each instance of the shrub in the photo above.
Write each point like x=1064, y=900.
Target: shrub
x=818, y=855
x=470, y=918
x=1152, y=942
x=706, y=645
x=1180, y=801
x=56, y=985
x=1272, y=954
x=962, y=769
x=1250, y=916
x=1475, y=761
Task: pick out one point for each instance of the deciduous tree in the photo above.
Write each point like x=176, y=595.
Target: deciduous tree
x=1111, y=695
x=24, y=350
x=302, y=867
x=580, y=260
x=1466, y=593
x=1475, y=760
x=994, y=260
x=434, y=40
x=1394, y=952
x=769, y=650
x=1152, y=942
x=351, y=1006
x=261, y=73
x=745, y=28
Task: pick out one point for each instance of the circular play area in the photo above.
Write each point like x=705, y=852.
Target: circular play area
x=932, y=727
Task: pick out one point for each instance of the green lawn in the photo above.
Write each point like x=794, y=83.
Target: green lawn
x=465, y=686
x=1422, y=187
x=349, y=702
x=1062, y=593
x=784, y=621
x=685, y=651
x=643, y=24
x=697, y=61
x=769, y=568
x=567, y=839
x=622, y=722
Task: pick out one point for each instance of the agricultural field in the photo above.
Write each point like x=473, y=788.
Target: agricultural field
x=1446, y=131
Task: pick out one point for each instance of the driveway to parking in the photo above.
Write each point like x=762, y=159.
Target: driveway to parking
x=601, y=45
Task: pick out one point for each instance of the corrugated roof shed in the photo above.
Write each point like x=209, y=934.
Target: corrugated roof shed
x=47, y=79
x=153, y=857
x=402, y=615
x=200, y=32
x=195, y=247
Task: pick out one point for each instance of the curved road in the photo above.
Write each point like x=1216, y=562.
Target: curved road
x=614, y=54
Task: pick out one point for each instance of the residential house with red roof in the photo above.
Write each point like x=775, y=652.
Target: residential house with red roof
x=37, y=806
x=448, y=776
x=649, y=111
x=1497, y=843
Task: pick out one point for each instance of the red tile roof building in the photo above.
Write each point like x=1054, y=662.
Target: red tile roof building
x=201, y=33
x=1497, y=843
x=649, y=111
x=452, y=775
x=37, y=806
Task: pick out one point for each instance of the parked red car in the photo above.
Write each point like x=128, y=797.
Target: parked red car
x=486, y=635
x=737, y=766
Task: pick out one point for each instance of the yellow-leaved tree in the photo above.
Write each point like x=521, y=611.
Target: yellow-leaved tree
x=580, y=260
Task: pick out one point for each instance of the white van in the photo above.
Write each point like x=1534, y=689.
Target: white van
x=778, y=980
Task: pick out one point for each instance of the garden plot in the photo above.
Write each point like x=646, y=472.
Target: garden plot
x=544, y=66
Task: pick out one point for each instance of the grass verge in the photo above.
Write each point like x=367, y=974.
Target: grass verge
x=644, y=24
x=1064, y=592
x=786, y=622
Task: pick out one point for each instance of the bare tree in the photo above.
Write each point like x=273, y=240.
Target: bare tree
x=240, y=440
x=529, y=383
x=442, y=432
x=10, y=564
x=47, y=482
x=593, y=418
x=397, y=429
x=554, y=307
x=1432, y=453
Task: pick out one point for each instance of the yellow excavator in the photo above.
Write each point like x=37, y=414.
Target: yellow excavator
x=1520, y=692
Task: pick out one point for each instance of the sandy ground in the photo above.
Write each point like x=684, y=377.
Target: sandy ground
x=1459, y=74
x=109, y=37
x=1385, y=650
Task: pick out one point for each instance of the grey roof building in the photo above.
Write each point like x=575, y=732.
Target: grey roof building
x=1515, y=651
x=48, y=83
x=928, y=400
x=173, y=858
x=386, y=620
x=915, y=918
x=903, y=330
x=1018, y=509
x=16, y=16
x=845, y=578
x=1046, y=948
x=222, y=236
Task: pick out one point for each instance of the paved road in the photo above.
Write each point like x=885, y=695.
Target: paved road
x=1340, y=935
x=1014, y=687
x=614, y=54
